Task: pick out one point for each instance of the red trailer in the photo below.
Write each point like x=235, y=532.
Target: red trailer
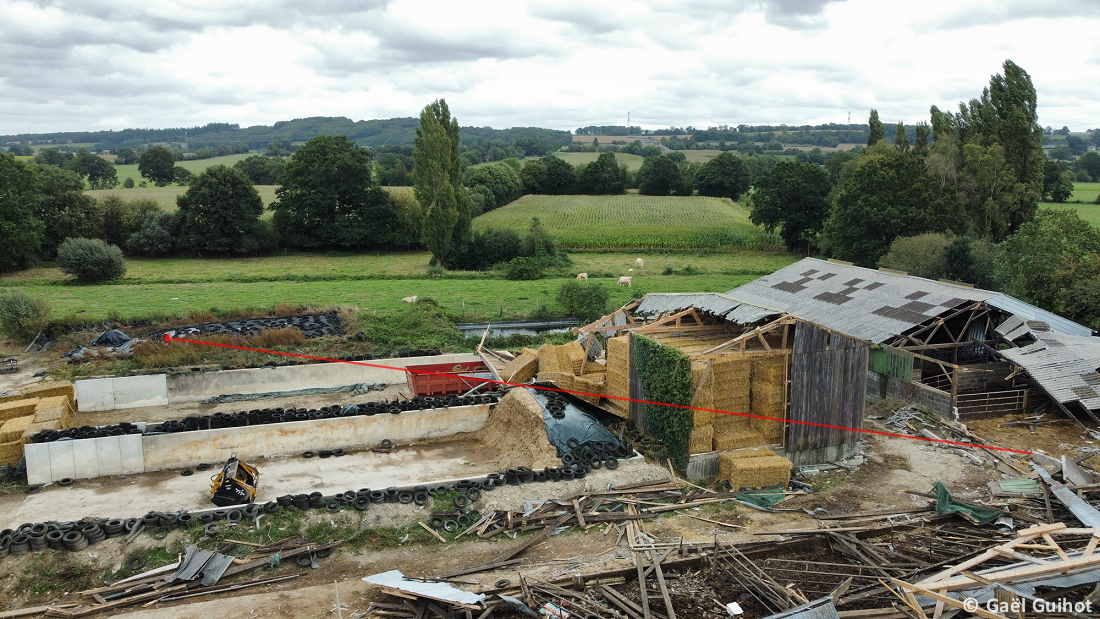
x=446, y=378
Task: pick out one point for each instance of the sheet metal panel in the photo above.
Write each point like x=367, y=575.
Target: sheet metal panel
x=394, y=579
x=864, y=303
x=817, y=609
x=1063, y=365
x=1028, y=311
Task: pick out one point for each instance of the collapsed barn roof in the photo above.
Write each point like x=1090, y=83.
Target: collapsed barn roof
x=1065, y=365
x=874, y=305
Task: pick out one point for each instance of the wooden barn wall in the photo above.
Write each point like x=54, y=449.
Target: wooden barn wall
x=828, y=382
x=636, y=408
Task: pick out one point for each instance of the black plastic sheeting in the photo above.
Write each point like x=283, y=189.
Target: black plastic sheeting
x=577, y=422
x=111, y=337
x=311, y=325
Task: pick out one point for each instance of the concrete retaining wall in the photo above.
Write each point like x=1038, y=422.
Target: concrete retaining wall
x=84, y=458
x=928, y=398
x=199, y=386
x=134, y=453
x=102, y=394
x=191, y=448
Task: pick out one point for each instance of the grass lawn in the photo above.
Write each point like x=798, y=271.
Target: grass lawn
x=1085, y=193
x=370, y=282
x=633, y=221
x=166, y=196
x=195, y=165
x=633, y=162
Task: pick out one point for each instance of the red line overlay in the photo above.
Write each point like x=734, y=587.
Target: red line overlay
x=168, y=338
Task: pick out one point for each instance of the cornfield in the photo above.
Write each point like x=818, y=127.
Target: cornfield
x=633, y=221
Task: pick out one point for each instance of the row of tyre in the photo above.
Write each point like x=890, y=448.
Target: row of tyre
x=267, y=416
x=71, y=536
x=596, y=454
x=75, y=536
x=311, y=325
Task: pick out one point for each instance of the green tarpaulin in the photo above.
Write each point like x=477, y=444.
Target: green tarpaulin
x=766, y=498
x=976, y=514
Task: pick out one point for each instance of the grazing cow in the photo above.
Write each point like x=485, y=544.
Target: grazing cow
x=411, y=299
x=630, y=270
x=639, y=263
x=581, y=276
x=626, y=281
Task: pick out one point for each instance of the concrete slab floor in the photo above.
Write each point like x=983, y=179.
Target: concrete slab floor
x=132, y=496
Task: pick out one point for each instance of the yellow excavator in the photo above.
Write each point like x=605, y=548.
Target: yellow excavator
x=235, y=485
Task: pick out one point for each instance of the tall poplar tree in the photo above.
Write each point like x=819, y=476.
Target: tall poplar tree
x=437, y=183
x=875, y=129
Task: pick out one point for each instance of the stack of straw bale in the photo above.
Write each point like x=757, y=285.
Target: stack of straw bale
x=13, y=429
x=701, y=439
x=725, y=387
x=522, y=368
x=768, y=391
x=617, y=383
x=45, y=406
x=590, y=383
x=754, y=469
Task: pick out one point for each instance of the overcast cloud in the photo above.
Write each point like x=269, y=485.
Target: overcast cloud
x=113, y=64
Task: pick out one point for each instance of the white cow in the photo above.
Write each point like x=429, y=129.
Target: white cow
x=581, y=276
x=626, y=281
x=639, y=263
x=411, y=299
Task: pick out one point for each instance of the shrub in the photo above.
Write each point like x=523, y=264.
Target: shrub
x=22, y=316
x=523, y=268
x=583, y=300
x=128, y=183
x=921, y=255
x=157, y=235
x=90, y=260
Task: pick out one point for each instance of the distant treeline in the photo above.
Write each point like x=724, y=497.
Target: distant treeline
x=391, y=132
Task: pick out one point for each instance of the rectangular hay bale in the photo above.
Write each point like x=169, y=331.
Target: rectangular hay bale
x=724, y=423
x=702, y=418
x=773, y=428
x=51, y=402
x=737, y=440
x=589, y=383
x=49, y=388
x=749, y=452
x=11, y=452
x=701, y=439
x=13, y=429
x=17, y=408
x=561, y=380
x=521, y=369
x=37, y=427
x=756, y=472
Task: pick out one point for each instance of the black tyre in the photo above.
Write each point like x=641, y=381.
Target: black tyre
x=420, y=497
x=473, y=494
x=612, y=462
x=332, y=506
x=386, y=443
x=307, y=454
x=450, y=525
x=568, y=458
x=135, y=563
x=159, y=533
x=573, y=443
x=377, y=496
x=405, y=497
x=234, y=515
x=391, y=495
x=65, y=481
x=303, y=560
x=325, y=453
x=211, y=529
x=187, y=472
x=206, y=518
x=361, y=502
x=461, y=501
x=436, y=522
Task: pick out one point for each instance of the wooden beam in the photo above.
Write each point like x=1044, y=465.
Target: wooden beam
x=748, y=335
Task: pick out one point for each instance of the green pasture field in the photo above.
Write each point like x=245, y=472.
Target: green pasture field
x=632, y=162
x=700, y=156
x=194, y=165
x=633, y=221
x=370, y=282
x=1085, y=193
x=166, y=196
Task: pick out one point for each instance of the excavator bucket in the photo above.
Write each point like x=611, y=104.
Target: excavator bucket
x=235, y=485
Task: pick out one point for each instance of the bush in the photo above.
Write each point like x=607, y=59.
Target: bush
x=90, y=260
x=583, y=300
x=922, y=255
x=523, y=268
x=22, y=316
x=157, y=235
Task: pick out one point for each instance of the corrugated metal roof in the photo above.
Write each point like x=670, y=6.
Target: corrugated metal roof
x=394, y=579
x=1064, y=365
x=713, y=303
x=1028, y=311
x=817, y=609
x=864, y=303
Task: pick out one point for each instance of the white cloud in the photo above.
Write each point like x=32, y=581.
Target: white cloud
x=94, y=64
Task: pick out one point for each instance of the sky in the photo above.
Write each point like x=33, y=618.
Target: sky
x=89, y=65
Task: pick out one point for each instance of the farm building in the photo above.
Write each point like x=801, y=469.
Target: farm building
x=808, y=342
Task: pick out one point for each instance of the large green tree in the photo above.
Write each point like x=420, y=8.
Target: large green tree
x=99, y=172
x=157, y=164
x=723, y=176
x=875, y=129
x=1052, y=262
x=602, y=177
x=437, y=183
x=658, y=176
x=794, y=197
x=20, y=228
x=220, y=212
x=497, y=182
x=262, y=170
x=64, y=209
x=328, y=198
x=882, y=195
x=558, y=176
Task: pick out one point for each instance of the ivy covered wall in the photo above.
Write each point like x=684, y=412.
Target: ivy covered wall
x=665, y=376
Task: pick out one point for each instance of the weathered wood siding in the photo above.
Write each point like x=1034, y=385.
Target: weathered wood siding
x=828, y=382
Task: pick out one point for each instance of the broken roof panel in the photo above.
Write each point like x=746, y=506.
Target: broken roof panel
x=864, y=303
x=394, y=579
x=818, y=609
x=1064, y=365
x=1028, y=311
x=713, y=303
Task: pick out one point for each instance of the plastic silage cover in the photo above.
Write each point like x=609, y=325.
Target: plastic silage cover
x=576, y=424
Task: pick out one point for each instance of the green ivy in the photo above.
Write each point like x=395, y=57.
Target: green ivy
x=665, y=376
